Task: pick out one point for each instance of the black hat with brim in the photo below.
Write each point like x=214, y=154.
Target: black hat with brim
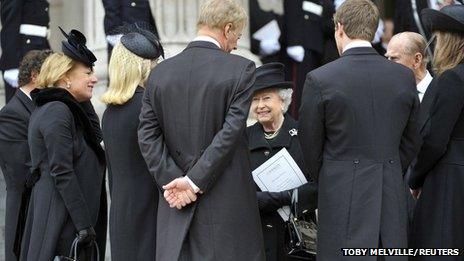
x=449, y=19
x=75, y=47
x=271, y=75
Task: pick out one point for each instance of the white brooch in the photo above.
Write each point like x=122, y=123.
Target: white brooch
x=293, y=132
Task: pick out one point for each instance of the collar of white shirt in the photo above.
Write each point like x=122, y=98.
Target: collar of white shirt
x=27, y=94
x=357, y=43
x=424, y=83
x=206, y=38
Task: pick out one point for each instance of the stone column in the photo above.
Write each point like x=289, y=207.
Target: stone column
x=176, y=22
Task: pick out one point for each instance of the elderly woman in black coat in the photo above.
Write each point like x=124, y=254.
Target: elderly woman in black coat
x=68, y=200
x=134, y=195
x=274, y=131
x=437, y=179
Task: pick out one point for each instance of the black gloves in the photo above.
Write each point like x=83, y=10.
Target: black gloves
x=271, y=201
x=86, y=236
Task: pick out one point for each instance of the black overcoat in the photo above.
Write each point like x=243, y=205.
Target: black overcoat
x=67, y=198
x=439, y=170
x=193, y=123
x=134, y=196
x=359, y=134
x=260, y=151
x=14, y=161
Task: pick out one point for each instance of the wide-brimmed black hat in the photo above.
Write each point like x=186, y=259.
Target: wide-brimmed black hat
x=75, y=47
x=449, y=19
x=271, y=75
x=143, y=43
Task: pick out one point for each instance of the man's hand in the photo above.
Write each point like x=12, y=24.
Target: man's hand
x=178, y=193
x=416, y=193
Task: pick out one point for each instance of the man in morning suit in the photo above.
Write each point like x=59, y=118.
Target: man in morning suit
x=14, y=148
x=192, y=136
x=359, y=133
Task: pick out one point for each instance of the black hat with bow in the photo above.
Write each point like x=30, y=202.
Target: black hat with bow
x=271, y=75
x=449, y=19
x=75, y=47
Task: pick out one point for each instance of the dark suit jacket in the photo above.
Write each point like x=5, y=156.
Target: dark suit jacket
x=193, y=123
x=120, y=12
x=359, y=132
x=15, y=45
x=14, y=160
x=404, y=18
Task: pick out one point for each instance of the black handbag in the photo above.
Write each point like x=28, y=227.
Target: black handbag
x=300, y=234
x=73, y=252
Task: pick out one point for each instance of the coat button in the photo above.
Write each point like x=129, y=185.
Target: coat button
x=133, y=4
x=306, y=17
x=269, y=226
x=391, y=161
x=266, y=153
x=356, y=161
x=46, y=9
x=28, y=41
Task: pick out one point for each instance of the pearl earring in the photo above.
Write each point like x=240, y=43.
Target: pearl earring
x=68, y=85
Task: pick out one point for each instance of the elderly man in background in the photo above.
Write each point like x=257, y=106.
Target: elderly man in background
x=191, y=135
x=409, y=49
x=14, y=148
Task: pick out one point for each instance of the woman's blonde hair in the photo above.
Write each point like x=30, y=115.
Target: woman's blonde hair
x=54, y=69
x=126, y=72
x=449, y=51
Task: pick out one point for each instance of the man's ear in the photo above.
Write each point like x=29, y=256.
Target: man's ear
x=227, y=30
x=34, y=75
x=418, y=60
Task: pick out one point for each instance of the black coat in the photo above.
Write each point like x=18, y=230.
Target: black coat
x=15, y=161
x=120, y=12
x=194, y=125
x=359, y=134
x=439, y=170
x=15, y=45
x=64, y=141
x=262, y=150
x=134, y=195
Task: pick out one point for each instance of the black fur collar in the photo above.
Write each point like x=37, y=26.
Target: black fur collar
x=82, y=121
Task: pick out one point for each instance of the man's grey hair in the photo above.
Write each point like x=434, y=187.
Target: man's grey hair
x=286, y=96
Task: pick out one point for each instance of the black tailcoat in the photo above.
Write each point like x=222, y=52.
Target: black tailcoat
x=134, y=195
x=193, y=123
x=359, y=134
x=439, y=170
x=14, y=161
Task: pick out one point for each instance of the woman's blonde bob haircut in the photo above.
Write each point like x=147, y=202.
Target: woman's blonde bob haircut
x=216, y=14
x=54, y=69
x=126, y=72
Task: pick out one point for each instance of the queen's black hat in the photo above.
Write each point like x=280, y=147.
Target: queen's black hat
x=271, y=75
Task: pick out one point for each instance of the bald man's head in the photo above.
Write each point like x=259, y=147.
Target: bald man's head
x=408, y=49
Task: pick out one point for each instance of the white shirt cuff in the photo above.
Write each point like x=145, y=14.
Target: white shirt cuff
x=196, y=189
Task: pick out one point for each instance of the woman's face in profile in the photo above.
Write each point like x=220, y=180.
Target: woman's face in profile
x=267, y=106
x=82, y=80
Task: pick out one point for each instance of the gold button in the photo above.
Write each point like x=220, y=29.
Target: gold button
x=133, y=4
x=46, y=9
x=306, y=17
x=28, y=41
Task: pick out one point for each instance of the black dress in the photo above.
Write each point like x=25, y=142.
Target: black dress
x=439, y=170
x=260, y=151
x=64, y=141
x=134, y=193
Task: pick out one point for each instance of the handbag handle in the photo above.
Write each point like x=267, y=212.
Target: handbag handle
x=73, y=250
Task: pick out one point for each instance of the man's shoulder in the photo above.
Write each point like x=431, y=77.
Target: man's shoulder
x=14, y=108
